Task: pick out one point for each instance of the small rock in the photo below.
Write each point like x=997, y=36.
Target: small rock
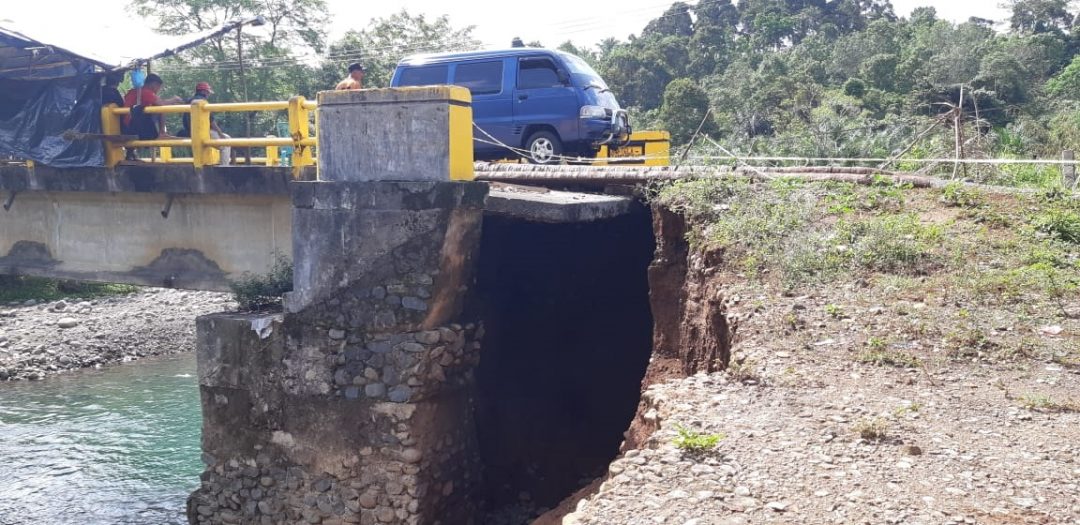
x=411, y=455
x=777, y=506
x=67, y=322
x=375, y=390
x=1051, y=330
x=428, y=337
x=414, y=303
x=411, y=347
x=368, y=500
x=912, y=450
x=337, y=334
x=400, y=394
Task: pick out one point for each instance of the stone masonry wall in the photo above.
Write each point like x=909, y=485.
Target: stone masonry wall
x=356, y=406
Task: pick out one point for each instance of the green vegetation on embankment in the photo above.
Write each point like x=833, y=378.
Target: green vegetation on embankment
x=978, y=264
x=22, y=288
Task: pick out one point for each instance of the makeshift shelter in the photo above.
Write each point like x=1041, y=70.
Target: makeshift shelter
x=46, y=90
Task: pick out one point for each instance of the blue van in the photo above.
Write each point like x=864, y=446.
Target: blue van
x=542, y=103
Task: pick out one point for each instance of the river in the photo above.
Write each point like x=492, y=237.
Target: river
x=112, y=446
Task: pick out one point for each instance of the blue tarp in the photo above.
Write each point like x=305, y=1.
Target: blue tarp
x=44, y=92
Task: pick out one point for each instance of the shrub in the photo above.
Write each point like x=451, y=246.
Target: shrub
x=695, y=442
x=876, y=429
x=1060, y=224
x=261, y=292
x=958, y=195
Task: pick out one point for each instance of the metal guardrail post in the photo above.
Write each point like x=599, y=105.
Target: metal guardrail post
x=272, y=156
x=298, y=129
x=110, y=125
x=201, y=154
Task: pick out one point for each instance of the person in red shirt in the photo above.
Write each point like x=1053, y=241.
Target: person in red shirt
x=147, y=127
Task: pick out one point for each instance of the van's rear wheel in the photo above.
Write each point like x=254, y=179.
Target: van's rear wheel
x=543, y=147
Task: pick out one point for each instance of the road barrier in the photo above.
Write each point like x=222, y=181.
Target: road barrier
x=650, y=148
x=205, y=148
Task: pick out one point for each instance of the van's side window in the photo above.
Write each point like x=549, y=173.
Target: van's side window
x=423, y=76
x=482, y=78
x=538, y=73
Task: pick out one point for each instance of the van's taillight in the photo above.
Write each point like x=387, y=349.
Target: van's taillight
x=597, y=112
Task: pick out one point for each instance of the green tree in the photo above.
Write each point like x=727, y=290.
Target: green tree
x=387, y=40
x=1066, y=84
x=685, y=107
x=1039, y=16
x=675, y=21
x=272, y=70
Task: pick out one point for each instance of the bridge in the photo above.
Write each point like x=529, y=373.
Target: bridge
x=366, y=400
x=188, y=222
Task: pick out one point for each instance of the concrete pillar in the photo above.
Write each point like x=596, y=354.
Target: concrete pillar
x=355, y=405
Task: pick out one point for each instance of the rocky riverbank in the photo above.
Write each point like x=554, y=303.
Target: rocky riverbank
x=38, y=339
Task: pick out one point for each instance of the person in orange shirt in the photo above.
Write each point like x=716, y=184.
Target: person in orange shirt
x=355, y=80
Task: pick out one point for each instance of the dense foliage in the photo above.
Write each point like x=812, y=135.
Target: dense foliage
x=814, y=78
x=849, y=78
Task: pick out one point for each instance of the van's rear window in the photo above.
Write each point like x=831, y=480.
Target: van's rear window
x=480, y=77
x=423, y=76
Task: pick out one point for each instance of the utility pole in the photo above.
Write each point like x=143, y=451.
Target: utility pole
x=243, y=87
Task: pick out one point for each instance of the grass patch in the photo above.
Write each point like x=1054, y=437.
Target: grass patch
x=968, y=342
x=912, y=408
x=796, y=235
x=23, y=288
x=1058, y=223
x=872, y=429
x=1045, y=403
x=886, y=357
x=743, y=371
x=695, y=442
x=956, y=194
x=263, y=292
x=883, y=195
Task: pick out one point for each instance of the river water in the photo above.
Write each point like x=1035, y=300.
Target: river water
x=112, y=446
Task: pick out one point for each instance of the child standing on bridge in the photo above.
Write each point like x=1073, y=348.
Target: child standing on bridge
x=203, y=92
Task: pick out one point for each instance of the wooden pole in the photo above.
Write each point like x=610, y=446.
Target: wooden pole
x=958, y=134
x=1068, y=171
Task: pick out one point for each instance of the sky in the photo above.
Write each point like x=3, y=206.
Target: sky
x=116, y=34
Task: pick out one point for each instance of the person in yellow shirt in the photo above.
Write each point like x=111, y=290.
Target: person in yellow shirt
x=355, y=80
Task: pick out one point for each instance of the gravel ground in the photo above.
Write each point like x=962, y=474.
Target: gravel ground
x=41, y=339
x=812, y=434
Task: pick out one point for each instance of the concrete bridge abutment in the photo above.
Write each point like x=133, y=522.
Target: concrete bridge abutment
x=355, y=404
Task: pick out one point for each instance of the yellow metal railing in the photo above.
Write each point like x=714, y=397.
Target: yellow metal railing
x=203, y=146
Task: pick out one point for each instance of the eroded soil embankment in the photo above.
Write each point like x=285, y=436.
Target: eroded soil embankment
x=691, y=329
x=904, y=356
